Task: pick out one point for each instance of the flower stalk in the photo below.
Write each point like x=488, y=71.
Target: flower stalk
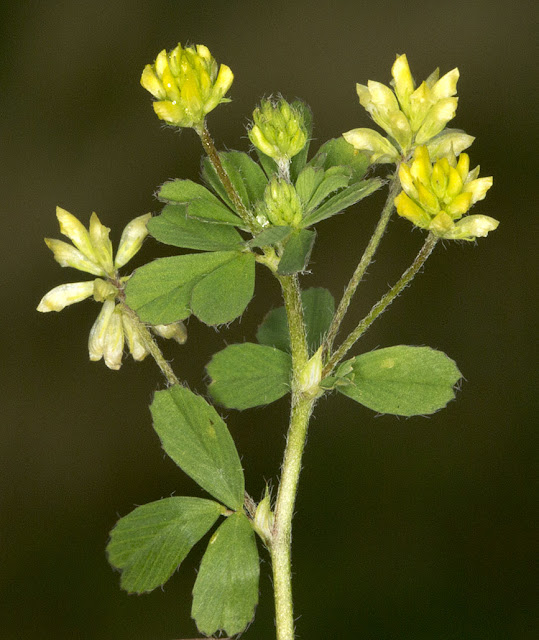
x=382, y=304
x=366, y=259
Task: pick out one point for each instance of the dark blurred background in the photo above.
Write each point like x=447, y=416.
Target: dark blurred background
x=405, y=529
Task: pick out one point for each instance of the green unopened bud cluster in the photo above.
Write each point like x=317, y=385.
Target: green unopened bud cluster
x=410, y=115
x=435, y=197
x=279, y=130
x=187, y=83
x=281, y=206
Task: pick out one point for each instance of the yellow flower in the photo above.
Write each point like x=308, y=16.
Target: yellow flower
x=187, y=83
x=435, y=197
x=410, y=115
x=91, y=252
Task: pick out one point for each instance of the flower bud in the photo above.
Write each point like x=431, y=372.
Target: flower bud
x=187, y=83
x=311, y=375
x=263, y=520
x=133, y=338
x=279, y=129
x=282, y=205
x=176, y=331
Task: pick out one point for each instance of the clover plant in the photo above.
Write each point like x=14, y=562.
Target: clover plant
x=262, y=209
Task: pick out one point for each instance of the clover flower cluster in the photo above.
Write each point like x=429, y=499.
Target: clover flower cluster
x=91, y=252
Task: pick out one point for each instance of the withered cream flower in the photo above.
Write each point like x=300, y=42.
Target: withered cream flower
x=410, y=115
x=91, y=252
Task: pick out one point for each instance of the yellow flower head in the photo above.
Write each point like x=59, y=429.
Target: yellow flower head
x=435, y=197
x=410, y=115
x=91, y=252
x=187, y=83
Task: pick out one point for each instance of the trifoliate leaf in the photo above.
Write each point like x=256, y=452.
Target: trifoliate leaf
x=226, y=590
x=176, y=228
x=248, y=375
x=246, y=176
x=270, y=237
x=337, y=152
x=196, y=438
x=215, y=286
x=318, y=310
x=402, y=380
x=342, y=200
x=201, y=202
x=297, y=252
x=151, y=542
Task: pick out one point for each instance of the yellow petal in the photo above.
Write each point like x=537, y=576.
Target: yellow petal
x=101, y=243
x=436, y=119
x=459, y=205
x=478, y=188
x=98, y=331
x=113, y=341
x=379, y=148
x=403, y=81
x=151, y=83
x=132, y=238
x=407, y=208
x=71, y=227
x=68, y=256
x=446, y=86
x=448, y=141
x=65, y=294
x=472, y=227
x=135, y=344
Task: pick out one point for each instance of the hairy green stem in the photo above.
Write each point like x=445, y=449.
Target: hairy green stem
x=284, y=511
x=209, y=147
x=151, y=345
x=382, y=304
x=302, y=406
x=366, y=259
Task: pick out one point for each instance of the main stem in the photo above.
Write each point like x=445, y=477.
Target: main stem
x=302, y=406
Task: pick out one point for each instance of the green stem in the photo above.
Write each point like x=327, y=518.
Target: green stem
x=151, y=345
x=284, y=512
x=209, y=147
x=365, y=261
x=302, y=406
x=382, y=304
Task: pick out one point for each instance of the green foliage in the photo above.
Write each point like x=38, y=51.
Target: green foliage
x=201, y=203
x=245, y=174
x=297, y=252
x=226, y=590
x=401, y=380
x=318, y=310
x=270, y=237
x=151, y=542
x=247, y=375
x=335, y=178
x=174, y=226
x=216, y=287
x=342, y=200
x=196, y=438
x=299, y=160
x=339, y=153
